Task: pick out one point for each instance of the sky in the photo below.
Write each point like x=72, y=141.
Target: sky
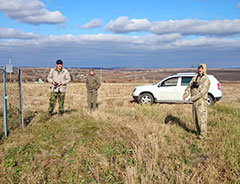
x=120, y=33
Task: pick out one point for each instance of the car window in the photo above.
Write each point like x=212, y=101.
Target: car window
x=185, y=81
x=170, y=82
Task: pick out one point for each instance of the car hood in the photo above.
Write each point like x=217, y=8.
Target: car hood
x=147, y=86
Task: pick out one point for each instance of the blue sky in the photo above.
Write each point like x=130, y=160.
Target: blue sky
x=126, y=33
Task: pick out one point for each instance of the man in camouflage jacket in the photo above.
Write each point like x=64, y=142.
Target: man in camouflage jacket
x=92, y=85
x=59, y=78
x=198, y=89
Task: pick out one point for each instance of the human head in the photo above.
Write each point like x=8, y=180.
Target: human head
x=202, y=69
x=91, y=71
x=59, y=64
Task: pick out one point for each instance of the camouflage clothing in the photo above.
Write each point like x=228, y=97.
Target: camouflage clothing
x=199, y=97
x=92, y=85
x=52, y=101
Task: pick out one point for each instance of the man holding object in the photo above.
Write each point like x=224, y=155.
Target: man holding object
x=198, y=89
x=59, y=78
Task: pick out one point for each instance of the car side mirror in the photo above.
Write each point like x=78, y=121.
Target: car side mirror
x=159, y=85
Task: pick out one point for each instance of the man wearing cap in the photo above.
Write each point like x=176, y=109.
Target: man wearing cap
x=92, y=84
x=198, y=91
x=59, y=78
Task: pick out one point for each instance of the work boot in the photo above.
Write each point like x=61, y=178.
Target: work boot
x=199, y=137
x=60, y=113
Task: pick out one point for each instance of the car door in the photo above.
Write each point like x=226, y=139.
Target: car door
x=184, y=81
x=167, y=90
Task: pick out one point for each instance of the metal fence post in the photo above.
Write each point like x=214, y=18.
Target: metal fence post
x=20, y=97
x=5, y=104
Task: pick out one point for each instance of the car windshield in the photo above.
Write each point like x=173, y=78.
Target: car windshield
x=170, y=82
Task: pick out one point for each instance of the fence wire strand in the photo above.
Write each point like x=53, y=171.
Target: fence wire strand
x=14, y=118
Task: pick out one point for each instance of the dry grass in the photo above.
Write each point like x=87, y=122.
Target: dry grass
x=122, y=142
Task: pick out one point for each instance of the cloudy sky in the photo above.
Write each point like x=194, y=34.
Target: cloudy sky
x=126, y=33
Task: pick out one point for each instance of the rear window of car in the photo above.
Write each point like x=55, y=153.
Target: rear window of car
x=185, y=81
x=170, y=82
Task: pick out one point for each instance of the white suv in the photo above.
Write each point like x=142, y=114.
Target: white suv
x=171, y=89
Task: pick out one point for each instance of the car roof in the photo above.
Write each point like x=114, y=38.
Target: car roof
x=187, y=74
x=182, y=75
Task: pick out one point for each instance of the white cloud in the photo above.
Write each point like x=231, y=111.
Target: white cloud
x=6, y=33
x=92, y=24
x=184, y=27
x=238, y=5
x=109, y=50
x=209, y=43
x=197, y=27
x=124, y=42
x=31, y=12
x=123, y=25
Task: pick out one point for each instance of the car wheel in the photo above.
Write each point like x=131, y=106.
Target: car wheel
x=145, y=98
x=210, y=100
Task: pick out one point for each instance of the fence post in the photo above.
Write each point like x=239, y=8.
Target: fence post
x=5, y=104
x=20, y=97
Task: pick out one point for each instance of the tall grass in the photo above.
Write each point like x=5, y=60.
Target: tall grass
x=121, y=142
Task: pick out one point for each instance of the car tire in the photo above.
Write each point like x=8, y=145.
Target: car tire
x=146, y=98
x=210, y=100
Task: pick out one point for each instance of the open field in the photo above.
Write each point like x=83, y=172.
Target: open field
x=121, y=142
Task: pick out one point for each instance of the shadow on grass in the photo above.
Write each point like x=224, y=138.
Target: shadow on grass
x=70, y=111
x=14, y=122
x=177, y=121
x=65, y=112
x=133, y=101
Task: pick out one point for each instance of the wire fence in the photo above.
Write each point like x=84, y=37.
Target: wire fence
x=14, y=101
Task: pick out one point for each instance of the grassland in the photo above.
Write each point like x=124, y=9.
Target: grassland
x=121, y=142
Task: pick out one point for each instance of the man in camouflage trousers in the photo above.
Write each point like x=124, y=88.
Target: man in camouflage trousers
x=92, y=84
x=59, y=78
x=198, y=89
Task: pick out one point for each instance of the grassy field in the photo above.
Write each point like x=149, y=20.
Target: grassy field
x=121, y=142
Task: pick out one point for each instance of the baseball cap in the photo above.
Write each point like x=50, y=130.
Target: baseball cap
x=59, y=61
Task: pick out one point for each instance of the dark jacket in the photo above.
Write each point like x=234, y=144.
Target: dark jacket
x=92, y=82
